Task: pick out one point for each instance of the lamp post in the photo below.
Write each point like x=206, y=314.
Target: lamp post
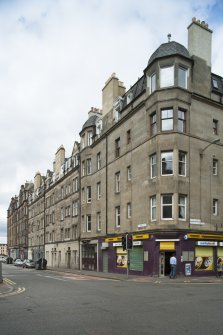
x=215, y=141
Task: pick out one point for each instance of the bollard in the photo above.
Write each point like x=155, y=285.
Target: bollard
x=1, y=279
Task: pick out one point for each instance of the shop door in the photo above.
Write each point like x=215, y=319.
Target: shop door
x=164, y=263
x=105, y=260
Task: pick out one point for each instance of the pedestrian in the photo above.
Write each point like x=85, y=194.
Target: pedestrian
x=173, y=265
x=219, y=267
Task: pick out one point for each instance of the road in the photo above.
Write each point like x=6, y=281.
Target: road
x=50, y=303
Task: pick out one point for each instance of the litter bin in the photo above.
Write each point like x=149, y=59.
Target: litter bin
x=38, y=264
x=9, y=260
x=44, y=263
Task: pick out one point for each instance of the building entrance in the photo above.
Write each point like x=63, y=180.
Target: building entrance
x=164, y=263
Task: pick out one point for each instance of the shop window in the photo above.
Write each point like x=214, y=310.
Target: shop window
x=204, y=258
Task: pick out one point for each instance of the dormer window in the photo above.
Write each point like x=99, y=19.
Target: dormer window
x=182, y=77
x=152, y=83
x=129, y=97
x=215, y=84
x=89, y=138
x=167, y=76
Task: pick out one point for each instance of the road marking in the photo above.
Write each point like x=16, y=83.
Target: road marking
x=10, y=282
x=51, y=277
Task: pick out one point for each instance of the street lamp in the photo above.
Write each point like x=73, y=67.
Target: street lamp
x=215, y=141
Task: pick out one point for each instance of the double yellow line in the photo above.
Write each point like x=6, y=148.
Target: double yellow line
x=15, y=290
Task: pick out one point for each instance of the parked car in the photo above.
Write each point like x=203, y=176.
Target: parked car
x=18, y=262
x=3, y=259
x=28, y=263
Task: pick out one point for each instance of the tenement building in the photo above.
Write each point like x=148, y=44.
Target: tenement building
x=150, y=163
x=17, y=223
x=54, y=213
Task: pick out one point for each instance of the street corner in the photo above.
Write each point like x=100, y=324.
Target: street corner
x=8, y=287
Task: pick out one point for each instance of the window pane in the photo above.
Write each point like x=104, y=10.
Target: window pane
x=167, y=163
x=182, y=77
x=167, y=212
x=167, y=119
x=167, y=199
x=167, y=76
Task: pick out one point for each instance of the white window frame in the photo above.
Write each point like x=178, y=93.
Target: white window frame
x=129, y=210
x=182, y=205
x=152, y=82
x=88, y=194
x=99, y=190
x=99, y=221
x=153, y=166
x=98, y=160
x=83, y=168
x=162, y=154
x=129, y=173
x=182, y=162
x=153, y=208
x=88, y=223
x=117, y=182
x=118, y=216
x=166, y=205
x=166, y=119
x=181, y=122
x=62, y=213
x=89, y=167
x=83, y=195
x=167, y=76
x=89, y=138
x=153, y=123
x=215, y=167
x=215, y=207
x=184, y=71
x=75, y=208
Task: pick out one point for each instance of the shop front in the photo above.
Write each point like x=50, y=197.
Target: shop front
x=115, y=259
x=196, y=254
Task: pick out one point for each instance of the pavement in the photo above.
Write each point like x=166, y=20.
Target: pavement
x=6, y=287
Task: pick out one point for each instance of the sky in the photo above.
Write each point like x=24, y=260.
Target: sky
x=55, y=57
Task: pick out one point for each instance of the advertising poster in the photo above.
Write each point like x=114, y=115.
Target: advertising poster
x=121, y=261
x=204, y=263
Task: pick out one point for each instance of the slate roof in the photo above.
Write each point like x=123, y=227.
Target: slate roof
x=90, y=122
x=169, y=49
x=136, y=90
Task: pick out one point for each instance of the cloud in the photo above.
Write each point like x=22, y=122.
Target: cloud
x=55, y=58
